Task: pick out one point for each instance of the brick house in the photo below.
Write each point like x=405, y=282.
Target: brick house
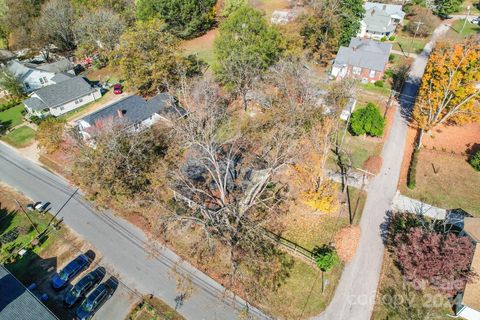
x=363, y=59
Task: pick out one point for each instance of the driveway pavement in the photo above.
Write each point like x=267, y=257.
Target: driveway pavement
x=355, y=295
x=122, y=245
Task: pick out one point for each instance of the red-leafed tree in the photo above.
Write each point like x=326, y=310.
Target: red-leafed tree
x=441, y=260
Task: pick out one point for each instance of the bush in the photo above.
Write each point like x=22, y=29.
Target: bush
x=412, y=170
x=391, y=57
x=392, y=38
x=384, y=38
x=325, y=257
x=367, y=120
x=379, y=83
x=475, y=160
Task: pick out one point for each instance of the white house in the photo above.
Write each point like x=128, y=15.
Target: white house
x=380, y=20
x=467, y=303
x=136, y=111
x=36, y=76
x=62, y=97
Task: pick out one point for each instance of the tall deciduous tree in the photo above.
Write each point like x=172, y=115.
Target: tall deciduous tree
x=352, y=12
x=448, y=92
x=11, y=84
x=99, y=29
x=17, y=21
x=50, y=134
x=56, y=22
x=149, y=57
x=441, y=260
x=230, y=6
x=245, y=47
x=185, y=18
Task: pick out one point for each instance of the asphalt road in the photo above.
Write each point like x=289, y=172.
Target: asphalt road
x=356, y=292
x=122, y=245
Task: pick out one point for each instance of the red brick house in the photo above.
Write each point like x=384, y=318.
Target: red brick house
x=363, y=59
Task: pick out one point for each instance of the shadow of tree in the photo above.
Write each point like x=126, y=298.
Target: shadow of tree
x=6, y=217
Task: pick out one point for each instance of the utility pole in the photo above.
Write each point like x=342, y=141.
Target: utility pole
x=466, y=18
x=28, y=217
x=418, y=23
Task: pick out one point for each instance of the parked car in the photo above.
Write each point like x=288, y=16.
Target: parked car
x=93, y=302
x=83, y=286
x=73, y=268
x=117, y=88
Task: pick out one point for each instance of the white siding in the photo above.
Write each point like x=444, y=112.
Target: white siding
x=75, y=104
x=34, y=82
x=469, y=313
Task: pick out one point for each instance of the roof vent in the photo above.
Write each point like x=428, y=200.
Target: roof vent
x=121, y=113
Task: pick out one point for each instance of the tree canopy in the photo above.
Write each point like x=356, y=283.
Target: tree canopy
x=184, y=18
x=245, y=47
x=448, y=92
x=149, y=57
x=367, y=120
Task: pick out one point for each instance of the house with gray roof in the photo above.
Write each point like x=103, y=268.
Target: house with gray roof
x=363, y=59
x=138, y=113
x=65, y=96
x=380, y=20
x=19, y=303
x=35, y=76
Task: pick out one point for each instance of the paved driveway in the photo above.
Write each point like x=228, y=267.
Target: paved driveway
x=356, y=292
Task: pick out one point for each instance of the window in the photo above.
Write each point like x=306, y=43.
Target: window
x=372, y=74
x=356, y=70
x=78, y=101
x=27, y=85
x=62, y=108
x=41, y=80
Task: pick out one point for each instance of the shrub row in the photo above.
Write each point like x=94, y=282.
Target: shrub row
x=412, y=170
x=9, y=104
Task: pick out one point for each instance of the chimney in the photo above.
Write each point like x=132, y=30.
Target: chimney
x=385, y=7
x=120, y=113
x=354, y=48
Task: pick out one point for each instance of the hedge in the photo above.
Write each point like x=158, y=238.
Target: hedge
x=412, y=170
x=9, y=104
x=475, y=161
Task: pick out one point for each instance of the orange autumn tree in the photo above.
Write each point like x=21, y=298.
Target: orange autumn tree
x=449, y=89
x=316, y=191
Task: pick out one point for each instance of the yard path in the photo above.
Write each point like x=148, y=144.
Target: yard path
x=356, y=292
x=125, y=249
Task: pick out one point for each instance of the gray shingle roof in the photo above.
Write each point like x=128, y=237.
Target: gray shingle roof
x=59, y=77
x=57, y=66
x=364, y=53
x=17, y=303
x=35, y=104
x=63, y=92
x=18, y=69
x=378, y=16
x=391, y=9
x=136, y=109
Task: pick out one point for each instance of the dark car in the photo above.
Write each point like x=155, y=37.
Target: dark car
x=117, y=88
x=93, y=302
x=83, y=286
x=74, y=267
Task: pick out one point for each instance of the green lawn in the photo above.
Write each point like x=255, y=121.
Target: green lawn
x=470, y=28
x=12, y=117
x=384, y=91
x=20, y=137
x=404, y=41
x=454, y=185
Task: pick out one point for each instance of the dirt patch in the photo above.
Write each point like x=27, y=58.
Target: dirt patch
x=456, y=139
x=373, y=164
x=346, y=242
x=203, y=42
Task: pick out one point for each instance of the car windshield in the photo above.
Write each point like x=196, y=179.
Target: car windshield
x=88, y=305
x=75, y=291
x=63, y=275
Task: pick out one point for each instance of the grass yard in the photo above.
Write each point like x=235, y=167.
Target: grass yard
x=153, y=309
x=403, y=42
x=469, y=30
x=202, y=47
x=384, y=91
x=20, y=137
x=12, y=117
x=455, y=185
x=301, y=296
x=392, y=301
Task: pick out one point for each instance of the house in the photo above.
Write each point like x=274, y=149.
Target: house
x=62, y=97
x=283, y=16
x=137, y=111
x=467, y=303
x=363, y=59
x=380, y=20
x=36, y=76
x=17, y=302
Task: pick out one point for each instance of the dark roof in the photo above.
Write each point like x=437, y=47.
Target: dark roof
x=364, y=53
x=63, y=92
x=136, y=109
x=18, y=303
x=57, y=66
